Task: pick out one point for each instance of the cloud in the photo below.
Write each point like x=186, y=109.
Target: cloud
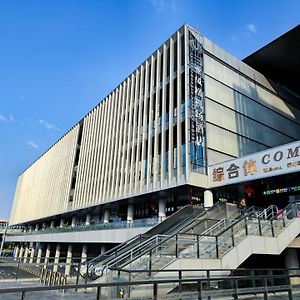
x=9, y=118
x=162, y=5
x=252, y=28
x=2, y=118
x=47, y=125
x=33, y=145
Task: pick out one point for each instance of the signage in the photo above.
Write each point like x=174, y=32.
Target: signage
x=290, y=189
x=272, y=162
x=196, y=101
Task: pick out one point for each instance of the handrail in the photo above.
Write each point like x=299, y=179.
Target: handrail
x=197, y=213
x=142, y=282
x=129, y=252
x=123, y=245
x=239, y=219
x=167, y=239
x=190, y=220
x=101, y=226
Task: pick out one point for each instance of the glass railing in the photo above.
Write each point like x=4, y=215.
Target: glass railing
x=149, y=222
x=211, y=245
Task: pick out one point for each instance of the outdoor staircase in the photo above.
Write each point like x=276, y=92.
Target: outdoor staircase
x=224, y=245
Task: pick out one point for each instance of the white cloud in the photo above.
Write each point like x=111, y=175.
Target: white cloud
x=33, y=145
x=2, y=118
x=47, y=125
x=161, y=5
x=252, y=28
x=9, y=118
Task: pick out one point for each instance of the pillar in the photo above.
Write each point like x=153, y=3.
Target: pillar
x=88, y=219
x=106, y=216
x=292, y=262
x=16, y=251
x=73, y=223
x=208, y=199
x=162, y=209
x=84, y=253
x=52, y=224
x=47, y=255
x=62, y=223
x=21, y=252
x=31, y=253
x=26, y=254
x=44, y=226
x=36, y=227
x=103, y=249
x=130, y=212
x=56, y=258
x=69, y=260
x=39, y=254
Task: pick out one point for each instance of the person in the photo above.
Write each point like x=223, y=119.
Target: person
x=122, y=293
x=243, y=203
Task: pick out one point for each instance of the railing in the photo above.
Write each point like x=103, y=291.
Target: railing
x=188, y=245
x=127, y=252
x=149, y=222
x=183, y=284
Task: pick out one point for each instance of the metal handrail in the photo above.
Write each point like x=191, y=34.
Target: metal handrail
x=101, y=226
x=180, y=224
x=169, y=238
x=241, y=218
x=199, y=280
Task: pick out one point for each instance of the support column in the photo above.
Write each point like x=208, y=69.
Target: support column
x=88, y=219
x=103, y=249
x=36, y=227
x=21, y=252
x=162, y=209
x=16, y=251
x=208, y=199
x=74, y=221
x=292, y=262
x=84, y=253
x=26, y=254
x=31, y=253
x=69, y=260
x=62, y=223
x=39, y=254
x=44, y=226
x=56, y=258
x=52, y=224
x=106, y=216
x=130, y=212
x=47, y=255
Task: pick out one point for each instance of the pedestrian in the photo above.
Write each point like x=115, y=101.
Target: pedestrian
x=121, y=293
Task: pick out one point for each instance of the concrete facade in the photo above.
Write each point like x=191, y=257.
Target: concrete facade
x=96, y=163
x=147, y=145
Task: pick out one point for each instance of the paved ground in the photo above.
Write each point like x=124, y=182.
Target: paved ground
x=11, y=272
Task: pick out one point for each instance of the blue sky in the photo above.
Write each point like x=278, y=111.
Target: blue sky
x=59, y=58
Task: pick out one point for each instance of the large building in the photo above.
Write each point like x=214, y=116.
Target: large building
x=145, y=150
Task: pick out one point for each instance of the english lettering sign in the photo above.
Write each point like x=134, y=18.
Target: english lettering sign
x=272, y=162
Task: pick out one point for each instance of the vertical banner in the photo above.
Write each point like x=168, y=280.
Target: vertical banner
x=196, y=103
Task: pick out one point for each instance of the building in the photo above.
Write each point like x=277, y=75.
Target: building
x=145, y=150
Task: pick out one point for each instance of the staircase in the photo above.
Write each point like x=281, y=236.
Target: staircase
x=224, y=245
x=188, y=219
